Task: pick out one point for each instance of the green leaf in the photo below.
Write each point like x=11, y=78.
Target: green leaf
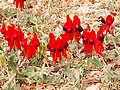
x=12, y=58
x=12, y=65
x=111, y=74
x=88, y=62
x=1, y=48
x=34, y=29
x=51, y=79
x=97, y=63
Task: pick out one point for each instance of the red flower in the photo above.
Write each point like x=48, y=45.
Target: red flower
x=30, y=49
x=12, y=36
x=88, y=40
x=77, y=28
x=52, y=47
x=19, y=3
x=3, y=30
x=108, y=22
x=98, y=41
x=68, y=27
x=64, y=43
x=57, y=46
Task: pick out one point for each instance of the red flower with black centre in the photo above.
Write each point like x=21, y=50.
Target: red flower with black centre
x=108, y=22
x=52, y=47
x=11, y=33
x=77, y=28
x=59, y=45
x=35, y=41
x=91, y=41
x=85, y=35
x=98, y=41
x=100, y=35
x=76, y=24
x=59, y=48
x=31, y=47
x=51, y=44
x=68, y=27
x=11, y=36
x=64, y=43
x=88, y=40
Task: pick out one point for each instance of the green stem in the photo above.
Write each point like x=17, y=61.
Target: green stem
x=103, y=60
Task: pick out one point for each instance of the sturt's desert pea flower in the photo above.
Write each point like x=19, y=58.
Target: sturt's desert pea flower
x=88, y=40
x=12, y=35
x=58, y=46
x=68, y=27
x=52, y=47
x=30, y=48
x=19, y=3
x=65, y=39
x=99, y=40
x=3, y=29
x=108, y=21
x=77, y=28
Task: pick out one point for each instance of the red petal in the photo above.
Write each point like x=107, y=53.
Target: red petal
x=77, y=36
x=92, y=35
x=107, y=27
x=16, y=2
x=76, y=20
x=98, y=47
x=11, y=44
x=54, y=56
x=112, y=13
x=109, y=20
x=68, y=24
x=17, y=43
x=102, y=19
x=64, y=52
x=21, y=5
x=3, y=30
x=20, y=33
x=101, y=30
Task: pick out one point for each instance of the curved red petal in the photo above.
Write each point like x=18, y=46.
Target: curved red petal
x=109, y=20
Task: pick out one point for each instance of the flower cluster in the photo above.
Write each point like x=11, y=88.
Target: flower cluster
x=15, y=38
x=73, y=29
x=19, y=3
x=30, y=46
x=108, y=22
x=57, y=46
x=12, y=35
x=90, y=38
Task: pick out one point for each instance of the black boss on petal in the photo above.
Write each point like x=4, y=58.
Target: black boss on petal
x=69, y=30
x=85, y=40
x=64, y=28
x=101, y=37
x=48, y=47
x=60, y=49
x=78, y=28
x=102, y=20
x=91, y=41
x=65, y=45
x=53, y=50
